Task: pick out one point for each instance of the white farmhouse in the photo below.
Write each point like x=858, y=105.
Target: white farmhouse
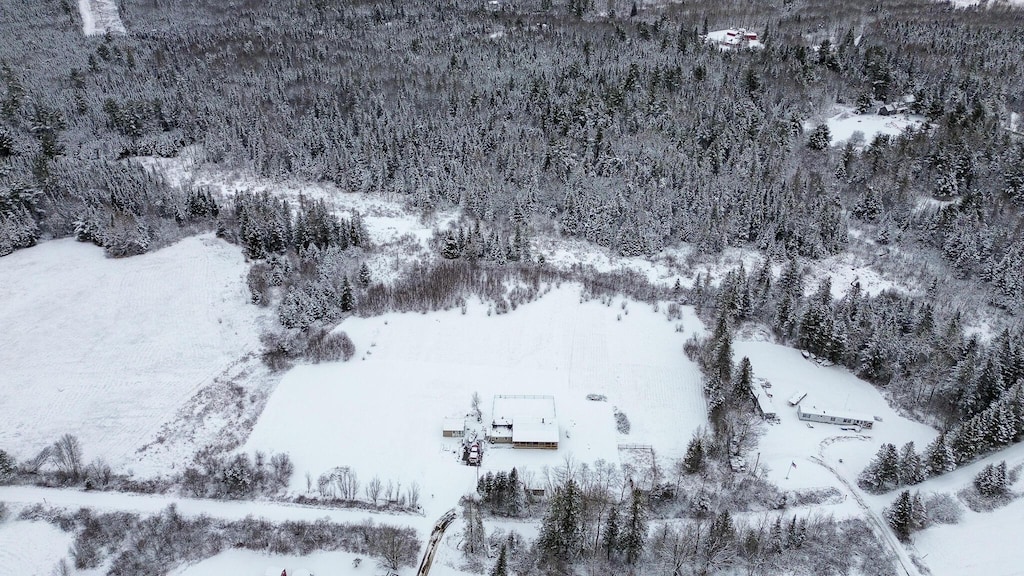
x=524, y=421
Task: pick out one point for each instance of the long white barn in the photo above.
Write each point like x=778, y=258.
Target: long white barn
x=830, y=416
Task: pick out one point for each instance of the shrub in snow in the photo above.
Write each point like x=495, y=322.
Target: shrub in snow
x=325, y=346
x=98, y=475
x=621, y=422
x=238, y=477
x=943, y=509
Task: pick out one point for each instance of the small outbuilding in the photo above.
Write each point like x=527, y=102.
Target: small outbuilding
x=797, y=398
x=830, y=416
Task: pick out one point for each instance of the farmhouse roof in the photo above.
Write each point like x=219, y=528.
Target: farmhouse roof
x=454, y=423
x=534, y=430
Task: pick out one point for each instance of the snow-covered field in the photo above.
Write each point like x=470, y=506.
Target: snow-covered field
x=31, y=548
x=381, y=413
x=109, y=349
x=100, y=17
x=846, y=123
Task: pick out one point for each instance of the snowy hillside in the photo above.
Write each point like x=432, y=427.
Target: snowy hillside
x=108, y=349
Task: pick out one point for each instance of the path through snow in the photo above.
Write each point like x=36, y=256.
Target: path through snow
x=883, y=529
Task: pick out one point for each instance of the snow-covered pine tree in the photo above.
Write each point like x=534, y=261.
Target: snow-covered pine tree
x=515, y=500
x=693, y=461
x=348, y=299
x=634, y=537
x=610, y=534
x=939, y=457
x=744, y=380
x=910, y=470
x=901, y=515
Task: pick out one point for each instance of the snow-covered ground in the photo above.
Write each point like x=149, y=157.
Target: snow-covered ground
x=100, y=17
x=381, y=413
x=108, y=349
x=31, y=548
x=847, y=122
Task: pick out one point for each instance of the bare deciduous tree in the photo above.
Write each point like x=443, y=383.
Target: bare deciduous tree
x=373, y=489
x=67, y=457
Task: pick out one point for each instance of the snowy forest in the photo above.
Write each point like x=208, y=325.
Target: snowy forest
x=611, y=122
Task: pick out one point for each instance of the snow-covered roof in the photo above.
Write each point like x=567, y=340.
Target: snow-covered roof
x=764, y=402
x=832, y=413
x=506, y=409
x=797, y=397
x=454, y=423
x=534, y=430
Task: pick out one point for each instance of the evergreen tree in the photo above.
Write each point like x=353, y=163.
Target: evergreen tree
x=561, y=534
x=635, y=536
x=348, y=301
x=821, y=138
x=991, y=481
x=910, y=470
x=364, y=275
x=744, y=380
x=501, y=566
x=8, y=466
x=516, y=498
x=901, y=516
x=693, y=461
x=450, y=248
x=610, y=537
x=882, y=473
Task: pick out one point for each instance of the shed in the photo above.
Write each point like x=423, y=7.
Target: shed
x=797, y=397
x=763, y=402
x=832, y=416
